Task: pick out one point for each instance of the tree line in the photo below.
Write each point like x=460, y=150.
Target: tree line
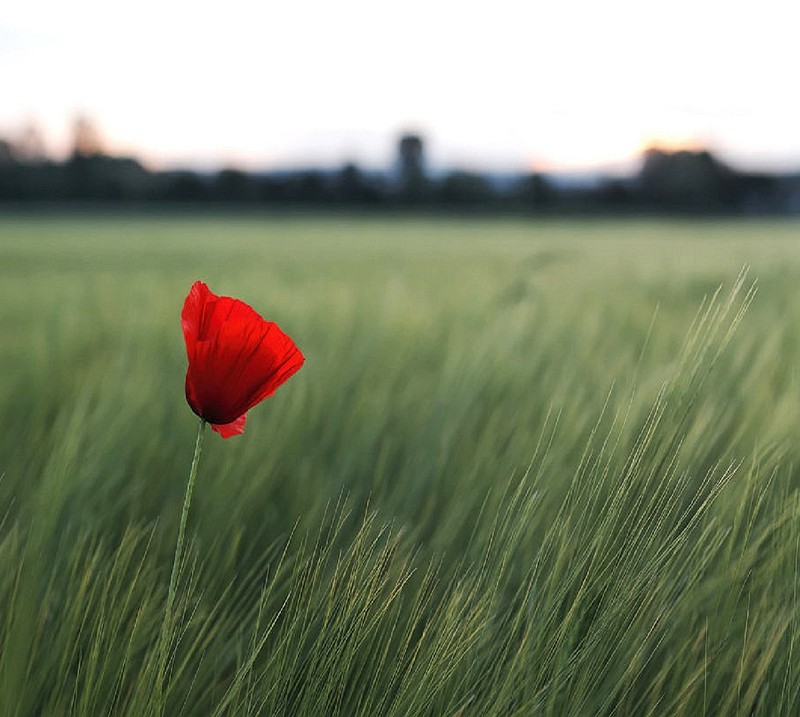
x=668, y=181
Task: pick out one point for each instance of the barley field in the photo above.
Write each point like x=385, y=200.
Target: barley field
x=529, y=468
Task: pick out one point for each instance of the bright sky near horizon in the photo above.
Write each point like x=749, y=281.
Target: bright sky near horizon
x=561, y=84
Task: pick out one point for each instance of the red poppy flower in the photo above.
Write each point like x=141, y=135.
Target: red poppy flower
x=236, y=358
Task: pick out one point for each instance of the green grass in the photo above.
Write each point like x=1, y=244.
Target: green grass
x=528, y=468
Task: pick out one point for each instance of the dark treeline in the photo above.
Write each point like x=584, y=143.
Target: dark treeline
x=671, y=182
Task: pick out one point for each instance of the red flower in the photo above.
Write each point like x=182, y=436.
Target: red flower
x=236, y=358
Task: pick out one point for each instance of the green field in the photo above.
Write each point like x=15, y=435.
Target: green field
x=529, y=468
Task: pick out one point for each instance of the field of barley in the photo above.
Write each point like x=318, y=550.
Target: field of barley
x=528, y=468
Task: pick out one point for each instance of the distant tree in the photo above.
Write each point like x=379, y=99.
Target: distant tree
x=7, y=155
x=348, y=183
x=350, y=186
x=465, y=188
x=86, y=139
x=307, y=187
x=30, y=146
x=271, y=189
x=234, y=185
x=615, y=195
x=535, y=192
x=763, y=193
x=182, y=186
x=27, y=147
x=410, y=153
x=686, y=180
x=414, y=184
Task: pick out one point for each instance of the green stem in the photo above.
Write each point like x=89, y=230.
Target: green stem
x=167, y=626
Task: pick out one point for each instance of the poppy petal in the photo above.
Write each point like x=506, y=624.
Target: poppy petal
x=234, y=428
x=192, y=312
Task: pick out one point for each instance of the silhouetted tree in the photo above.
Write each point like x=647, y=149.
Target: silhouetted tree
x=307, y=186
x=534, y=192
x=615, y=195
x=30, y=147
x=6, y=152
x=414, y=185
x=182, y=187
x=350, y=186
x=686, y=180
x=465, y=188
x=86, y=141
x=234, y=185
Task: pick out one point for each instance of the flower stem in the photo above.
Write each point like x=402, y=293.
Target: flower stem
x=167, y=626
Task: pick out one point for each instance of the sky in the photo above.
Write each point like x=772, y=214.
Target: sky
x=500, y=85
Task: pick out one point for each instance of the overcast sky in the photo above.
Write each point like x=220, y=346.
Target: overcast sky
x=498, y=84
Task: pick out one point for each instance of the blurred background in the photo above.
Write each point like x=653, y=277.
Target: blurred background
x=621, y=107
